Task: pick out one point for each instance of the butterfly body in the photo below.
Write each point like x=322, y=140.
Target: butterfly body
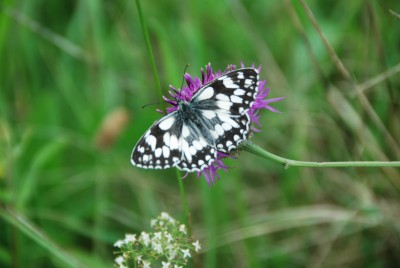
x=215, y=119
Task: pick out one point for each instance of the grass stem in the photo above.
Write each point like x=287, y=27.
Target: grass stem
x=149, y=51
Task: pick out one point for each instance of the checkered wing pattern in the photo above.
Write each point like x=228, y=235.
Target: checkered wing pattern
x=171, y=142
x=225, y=103
x=215, y=119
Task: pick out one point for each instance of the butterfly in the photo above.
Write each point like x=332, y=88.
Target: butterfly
x=214, y=120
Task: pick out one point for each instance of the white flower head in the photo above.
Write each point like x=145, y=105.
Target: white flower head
x=167, y=217
x=197, y=246
x=186, y=253
x=119, y=260
x=146, y=264
x=182, y=228
x=139, y=259
x=157, y=248
x=165, y=264
x=167, y=245
x=119, y=243
x=130, y=238
x=168, y=236
x=172, y=254
x=164, y=215
x=157, y=235
x=145, y=238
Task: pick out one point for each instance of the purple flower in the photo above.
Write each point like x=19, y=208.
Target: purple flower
x=194, y=84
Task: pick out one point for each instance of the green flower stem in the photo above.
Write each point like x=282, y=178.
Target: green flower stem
x=184, y=201
x=254, y=149
x=149, y=51
x=157, y=80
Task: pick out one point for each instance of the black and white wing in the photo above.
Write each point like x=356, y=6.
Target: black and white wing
x=153, y=149
x=223, y=104
x=215, y=119
x=170, y=142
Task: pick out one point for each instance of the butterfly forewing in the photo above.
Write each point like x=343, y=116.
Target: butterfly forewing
x=234, y=91
x=215, y=119
x=225, y=102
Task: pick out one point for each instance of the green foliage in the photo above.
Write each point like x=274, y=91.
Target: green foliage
x=74, y=74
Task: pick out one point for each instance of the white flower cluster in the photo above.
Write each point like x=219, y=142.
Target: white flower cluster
x=169, y=245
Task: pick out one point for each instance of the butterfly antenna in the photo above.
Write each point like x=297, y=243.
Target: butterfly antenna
x=149, y=104
x=183, y=76
x=178, y=93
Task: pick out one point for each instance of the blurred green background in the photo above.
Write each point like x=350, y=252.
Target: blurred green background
x=74, y=74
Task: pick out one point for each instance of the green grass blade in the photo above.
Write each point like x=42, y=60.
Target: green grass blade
x=29, y=229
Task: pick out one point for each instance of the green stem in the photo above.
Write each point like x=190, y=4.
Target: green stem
x=149, y=51
x=156, y=79
x=188, y=220
x=154, y=68
x=252, y=148
x=184, y=201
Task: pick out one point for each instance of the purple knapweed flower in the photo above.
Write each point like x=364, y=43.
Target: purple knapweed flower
x=194, y=84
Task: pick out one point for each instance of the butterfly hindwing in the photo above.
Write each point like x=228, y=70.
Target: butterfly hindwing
x=196, y=152
x=172, y=143
x=154, y=149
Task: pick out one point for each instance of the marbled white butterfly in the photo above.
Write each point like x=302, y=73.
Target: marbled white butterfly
x=214, y=119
